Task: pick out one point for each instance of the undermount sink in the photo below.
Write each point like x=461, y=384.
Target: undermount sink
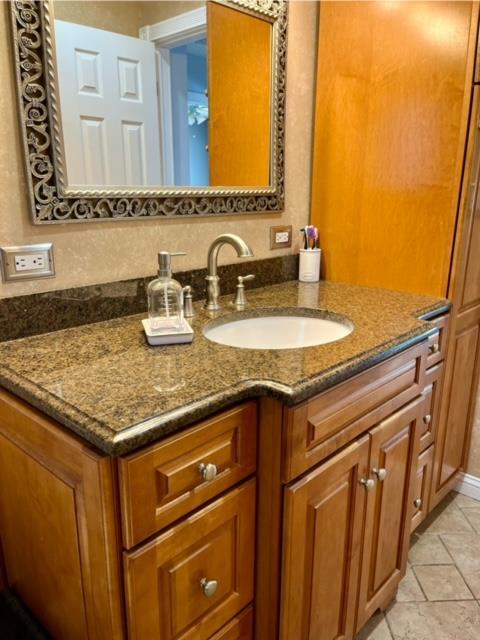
x=278, y=329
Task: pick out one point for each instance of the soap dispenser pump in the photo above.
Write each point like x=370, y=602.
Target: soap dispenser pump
x=165, y=298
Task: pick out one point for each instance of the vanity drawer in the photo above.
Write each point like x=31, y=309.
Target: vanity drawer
x=240, y=628
x=167, y=580
x=423, y=482
x=320, y=426
x=432, y=393
x=437, y=344
x=165, y=481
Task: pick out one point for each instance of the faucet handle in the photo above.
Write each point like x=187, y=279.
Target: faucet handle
x=240, y=299
x=188, y=302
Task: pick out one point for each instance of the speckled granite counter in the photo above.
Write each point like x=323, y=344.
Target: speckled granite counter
x=105, y=383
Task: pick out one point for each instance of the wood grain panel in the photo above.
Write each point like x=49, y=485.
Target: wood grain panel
x=269, y=520
x=437, y=343
x=239, y=96
x=320, y=426
x=394, y=447
x=163, y=577
x=322, y=534
x=431, y=411
x=390, y=131
x=58, y=525
x=423, y=481
x=457, y=409
x=240, y=628
x=162, y=483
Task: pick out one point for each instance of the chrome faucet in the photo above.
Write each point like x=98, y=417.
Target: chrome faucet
x=213, y=281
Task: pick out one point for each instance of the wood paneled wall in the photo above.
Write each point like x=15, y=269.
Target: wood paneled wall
x=392, y=103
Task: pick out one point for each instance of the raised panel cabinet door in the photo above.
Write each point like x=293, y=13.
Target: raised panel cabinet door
x=393, y=466
x=322, y=540
x=423, y=481
x=191, y=580
x=457, y=404
x=58, y=528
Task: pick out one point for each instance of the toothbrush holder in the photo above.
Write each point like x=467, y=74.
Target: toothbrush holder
x=309, y=269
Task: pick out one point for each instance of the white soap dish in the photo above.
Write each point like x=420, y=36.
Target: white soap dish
x=156, y=338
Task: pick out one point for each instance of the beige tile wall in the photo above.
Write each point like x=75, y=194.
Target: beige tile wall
x=90, y=253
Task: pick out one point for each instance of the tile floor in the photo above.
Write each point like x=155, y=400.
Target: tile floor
x=439, y=597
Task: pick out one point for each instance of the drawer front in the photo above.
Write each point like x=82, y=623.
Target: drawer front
x=423, y=482
x=432, y=393
x=196, y=576
x=437, y=344
x=240, y=628
x=166, y=481
x=318, y=427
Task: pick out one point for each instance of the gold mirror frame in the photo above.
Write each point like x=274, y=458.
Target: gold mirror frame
x=51, y=200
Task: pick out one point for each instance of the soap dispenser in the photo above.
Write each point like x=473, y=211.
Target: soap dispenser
x=165, y=298
x=166, y=323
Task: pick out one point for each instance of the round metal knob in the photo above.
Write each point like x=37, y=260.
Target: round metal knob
x=434, y=348
x=209, y=587
x=208, y=471
x=380, y=473
x=369, y=484
x=417, y=503
x=427, y=419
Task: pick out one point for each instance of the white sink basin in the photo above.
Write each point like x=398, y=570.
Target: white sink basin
x=274, y=331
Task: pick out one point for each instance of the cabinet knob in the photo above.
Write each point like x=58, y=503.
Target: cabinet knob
x=427, y=419
x=417, y=503
x=208, y=471
x=380, y=473
x=209, y=587
x=434, y=348
x=369, y=484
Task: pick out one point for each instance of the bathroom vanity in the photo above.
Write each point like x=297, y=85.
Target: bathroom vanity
x=209, y=492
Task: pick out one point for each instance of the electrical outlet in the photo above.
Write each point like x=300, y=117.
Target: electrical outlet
x=30, y=262
x=280, y=237
x=27, y=262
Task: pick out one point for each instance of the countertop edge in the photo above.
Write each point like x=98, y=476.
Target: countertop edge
x=153, y=429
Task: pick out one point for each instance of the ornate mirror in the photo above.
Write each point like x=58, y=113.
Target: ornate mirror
x=155, y=108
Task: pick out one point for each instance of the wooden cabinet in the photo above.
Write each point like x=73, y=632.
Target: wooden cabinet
x=168, y=480
x=58, y=526
x=393, y=462
x=422, y=484
x=322, y=543
x=346, y=531
x=240, y=628
x=191, y=580
x=458, y=404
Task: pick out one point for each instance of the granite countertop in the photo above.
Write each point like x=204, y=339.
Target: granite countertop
x=105, y=383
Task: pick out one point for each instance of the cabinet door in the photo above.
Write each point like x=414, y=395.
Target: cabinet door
x=458, y=403
x=423, y=481
x=191, y=580
x=322, y=540
x=393, y=464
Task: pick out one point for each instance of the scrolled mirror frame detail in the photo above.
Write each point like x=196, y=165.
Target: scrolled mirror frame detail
x=52, y=202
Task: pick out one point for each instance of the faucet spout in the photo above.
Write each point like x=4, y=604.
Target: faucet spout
x=213, y=286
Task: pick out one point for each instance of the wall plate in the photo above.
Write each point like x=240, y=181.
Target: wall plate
x=27, y=262
x=281, y=237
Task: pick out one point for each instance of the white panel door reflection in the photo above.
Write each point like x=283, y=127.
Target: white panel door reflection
x=109, y=107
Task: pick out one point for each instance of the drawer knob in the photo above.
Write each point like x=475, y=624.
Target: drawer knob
x=434, y=348
x=209, y=587
x=208, y=471
x=380, y=473
x=369, y=484
x=427, y=419
x=417, y=503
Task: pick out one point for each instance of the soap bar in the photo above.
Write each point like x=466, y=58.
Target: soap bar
x=156, y=338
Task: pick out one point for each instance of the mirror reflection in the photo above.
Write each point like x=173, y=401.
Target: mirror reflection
x=163, y=94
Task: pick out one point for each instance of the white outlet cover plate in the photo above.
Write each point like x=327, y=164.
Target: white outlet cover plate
x=27, y=262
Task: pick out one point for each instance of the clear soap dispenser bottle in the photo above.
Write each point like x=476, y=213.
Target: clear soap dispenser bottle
x=165, y=298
